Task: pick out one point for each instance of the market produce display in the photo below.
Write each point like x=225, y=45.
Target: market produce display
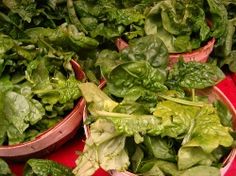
x=149, y=118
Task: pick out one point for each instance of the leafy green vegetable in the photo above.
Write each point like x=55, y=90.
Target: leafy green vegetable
x=135, y=80
x=203, y=124
x=111, y=19
x=149, y=48
x=104, y=148
x=202, y=170
x=182, y=25
x=194, y=75
x=37, y=82
x=43, y=167
x=66, y=36
x=224, y=114
x=4, y=168
x=174, y=138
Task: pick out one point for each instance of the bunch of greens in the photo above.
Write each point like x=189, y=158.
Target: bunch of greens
x=175, y=137
x=227, y=54
x=105, y=19
x=150, y=122
x=187, y=25
x=38, y=85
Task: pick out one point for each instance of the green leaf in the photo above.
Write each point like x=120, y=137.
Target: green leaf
x=208, y=132
x=160, y=148
x=66, y=36
x=136, y=79
x=174, y=21
x=104, y=148
x=4, y=168
x=206, y=129
x=161, y=167
x=26, y=9
x=43, y=167
x=107, y=60
x=19, y=111
x=149, y=48
x=194, y=75
x=202, y=170
x=100, y=100
x=136, y=159
x=191, y=156
x=6, y=43
x=224, y=114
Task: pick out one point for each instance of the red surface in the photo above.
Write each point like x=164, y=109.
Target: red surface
x=67, y=154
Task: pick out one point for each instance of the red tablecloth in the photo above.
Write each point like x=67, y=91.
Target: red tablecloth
x=67, y=153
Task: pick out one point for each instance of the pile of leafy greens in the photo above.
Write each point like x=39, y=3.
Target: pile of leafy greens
x=37, y=83
x=104, y=19
x=38, y=87
x=148, y=119
x=227, y=52
x=186, y=25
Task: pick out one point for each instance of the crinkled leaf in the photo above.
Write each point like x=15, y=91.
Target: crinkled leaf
x=108, y=153
x=200, y=127
x=45, y=167
x=136, y=79
x=100, y=100
x=149, y=48
x=194, y=75
x=174, y=20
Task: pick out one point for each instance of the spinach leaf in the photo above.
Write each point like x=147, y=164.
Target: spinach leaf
x=194, y=75
x=107, y=60
x=198, y=127
x=191, y=156
x=136, y=79
x=160, y=148
x=4, y=168
x=159, y=167
x=224, y=114
x=45, y=167
x=136, y=159
x=25, y=9
x=149, y=48
x=111, y=19
x=66, y=36
x=17, y=112
x=227, y=52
